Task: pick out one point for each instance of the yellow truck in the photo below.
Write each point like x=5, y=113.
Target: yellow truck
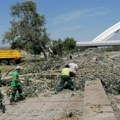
x=10, y=56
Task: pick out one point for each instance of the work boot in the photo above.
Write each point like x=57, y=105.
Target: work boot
x=56, y=91
x=12, y=103
x=2, y=108
x=21, y=98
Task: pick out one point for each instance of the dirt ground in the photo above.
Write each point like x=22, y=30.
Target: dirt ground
x=116, y=100
x=66, y=105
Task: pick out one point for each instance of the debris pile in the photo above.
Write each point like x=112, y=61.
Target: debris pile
x=95, y=64
x=41, y=77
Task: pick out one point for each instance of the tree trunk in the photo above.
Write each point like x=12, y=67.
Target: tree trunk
x=44, y=52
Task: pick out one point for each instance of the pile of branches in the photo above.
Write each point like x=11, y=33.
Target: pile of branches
x=93, y=64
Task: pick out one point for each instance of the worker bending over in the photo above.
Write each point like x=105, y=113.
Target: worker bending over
x=65, y=77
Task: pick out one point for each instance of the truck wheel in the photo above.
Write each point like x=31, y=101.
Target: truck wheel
x=4, y=62
x=12, y=62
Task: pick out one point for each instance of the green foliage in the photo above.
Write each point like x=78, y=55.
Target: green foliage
x=60, y=46
x=69, y=44
x=113, y=48
x=57, y=47
x=116, y=48
x=27, y=28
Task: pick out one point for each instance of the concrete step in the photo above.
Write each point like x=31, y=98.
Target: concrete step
x=96, y=104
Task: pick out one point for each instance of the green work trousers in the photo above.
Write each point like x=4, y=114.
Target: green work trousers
x=65, y=78
x=14, y=91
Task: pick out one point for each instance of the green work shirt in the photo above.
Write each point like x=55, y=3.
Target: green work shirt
x=15, y=74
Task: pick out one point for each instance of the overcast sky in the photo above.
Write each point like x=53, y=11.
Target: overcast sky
x=81, y=19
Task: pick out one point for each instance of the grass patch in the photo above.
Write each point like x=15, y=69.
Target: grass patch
x=6, y=67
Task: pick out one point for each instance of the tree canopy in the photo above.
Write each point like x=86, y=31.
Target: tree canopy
x=67, y=45
x=27, y=28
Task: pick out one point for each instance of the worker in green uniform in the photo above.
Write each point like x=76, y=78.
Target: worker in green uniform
x=65, y=77
x=16, y=85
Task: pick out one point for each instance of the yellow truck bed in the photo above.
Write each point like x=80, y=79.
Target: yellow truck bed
x=10, y=56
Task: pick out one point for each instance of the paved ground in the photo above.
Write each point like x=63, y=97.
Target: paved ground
x=66, y=105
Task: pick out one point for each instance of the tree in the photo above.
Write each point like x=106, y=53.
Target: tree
x=57, y=47
x=69, y=44
x=27, y=28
